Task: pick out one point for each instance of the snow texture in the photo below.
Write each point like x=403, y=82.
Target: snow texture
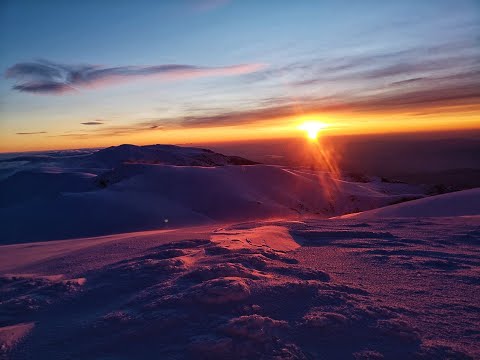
x=332, y=288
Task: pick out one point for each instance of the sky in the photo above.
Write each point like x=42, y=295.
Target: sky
x=101, y=73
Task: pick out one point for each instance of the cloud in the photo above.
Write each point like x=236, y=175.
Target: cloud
x=373, y=67
x=377, y=71
x=31, y=133
x=43, y=87
x=428, y=93
x=407, y=81
x=416, y=96
x=50, y=78
x=92, y=123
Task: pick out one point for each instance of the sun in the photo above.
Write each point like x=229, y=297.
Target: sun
x=312, y=128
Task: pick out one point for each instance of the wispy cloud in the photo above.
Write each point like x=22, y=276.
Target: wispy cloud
x=31, y=133
x=407, y=81
x=418, y=99
x=372, y=67
x=46, y=77
x=416, y=96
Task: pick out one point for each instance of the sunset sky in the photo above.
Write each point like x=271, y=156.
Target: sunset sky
x=100, y=73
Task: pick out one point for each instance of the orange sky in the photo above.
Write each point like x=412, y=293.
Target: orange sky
x=451, y=118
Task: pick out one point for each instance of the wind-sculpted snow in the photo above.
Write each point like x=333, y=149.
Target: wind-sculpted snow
x=23, y=296
x=312, y=289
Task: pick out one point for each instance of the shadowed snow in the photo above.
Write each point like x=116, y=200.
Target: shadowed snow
x=353, y=290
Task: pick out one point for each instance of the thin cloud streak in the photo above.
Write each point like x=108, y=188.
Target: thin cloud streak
x=438, y=60
x=46, y=77
x=92, y=123
x=31, y=133
x=414, y=101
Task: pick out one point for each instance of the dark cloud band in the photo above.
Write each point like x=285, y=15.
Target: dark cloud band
x=31, y=133
x=92, y=123
x=51, y=78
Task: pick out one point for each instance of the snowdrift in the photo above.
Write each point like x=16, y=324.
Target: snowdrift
x=460, y=203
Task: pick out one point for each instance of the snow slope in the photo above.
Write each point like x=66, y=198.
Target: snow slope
x=460, y=203
x=61, y=199
x=314, y=289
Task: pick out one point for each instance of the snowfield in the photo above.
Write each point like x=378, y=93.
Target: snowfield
x=313, y=289
x=131, y=188
x=250, y=265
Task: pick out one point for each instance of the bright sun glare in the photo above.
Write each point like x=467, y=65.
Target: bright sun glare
x=312, y=128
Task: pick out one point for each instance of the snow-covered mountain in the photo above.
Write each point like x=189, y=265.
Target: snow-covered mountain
x=114, y=156
x=239, y=261
x=131, y=188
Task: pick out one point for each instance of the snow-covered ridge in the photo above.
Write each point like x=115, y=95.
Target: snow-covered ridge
x=151, y=154
x=166, y=155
